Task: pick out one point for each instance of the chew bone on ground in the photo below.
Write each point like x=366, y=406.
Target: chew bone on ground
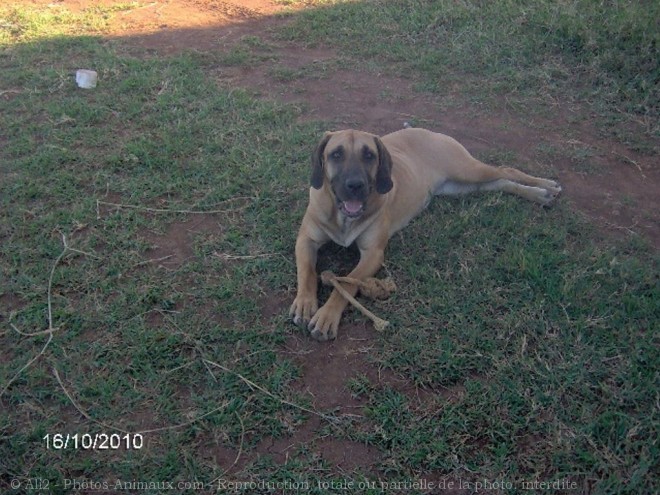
x=371, y=287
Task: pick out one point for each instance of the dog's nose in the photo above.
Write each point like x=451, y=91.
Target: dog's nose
x=355, y=184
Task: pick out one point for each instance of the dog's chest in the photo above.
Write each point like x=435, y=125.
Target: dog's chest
x=346, y=230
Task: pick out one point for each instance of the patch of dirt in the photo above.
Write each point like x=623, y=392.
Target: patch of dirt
x=314, y=79
x=169, y=27
x=325, y=372
x=174, y=246
x=327, y=368
x=10, y=303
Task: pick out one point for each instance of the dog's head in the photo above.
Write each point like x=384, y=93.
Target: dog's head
x=355, y=165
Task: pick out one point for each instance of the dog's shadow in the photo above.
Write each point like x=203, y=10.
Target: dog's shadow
x=337, y=259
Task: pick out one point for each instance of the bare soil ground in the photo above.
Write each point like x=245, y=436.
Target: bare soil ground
x=621, y=196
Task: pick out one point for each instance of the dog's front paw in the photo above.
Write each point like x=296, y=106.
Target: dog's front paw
x=303, y=308
x=325, y=323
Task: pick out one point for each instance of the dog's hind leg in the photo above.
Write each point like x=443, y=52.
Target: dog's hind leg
x=477, y=176
x=542, y=195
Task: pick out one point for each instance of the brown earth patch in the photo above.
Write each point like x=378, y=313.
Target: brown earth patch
x=173, y=247
x=11, y=303
x=327, y=369
x=326, y=372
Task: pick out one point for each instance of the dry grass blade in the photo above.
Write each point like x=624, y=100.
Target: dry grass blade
x=121, y=430
x=253, y=385
x=165, y=210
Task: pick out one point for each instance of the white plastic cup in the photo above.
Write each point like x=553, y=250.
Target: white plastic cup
x=86, y=78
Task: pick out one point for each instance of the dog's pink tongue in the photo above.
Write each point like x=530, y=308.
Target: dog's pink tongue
x=353, y=206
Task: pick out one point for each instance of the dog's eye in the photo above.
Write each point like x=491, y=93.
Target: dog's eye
x=368, y=154
x=336, y=155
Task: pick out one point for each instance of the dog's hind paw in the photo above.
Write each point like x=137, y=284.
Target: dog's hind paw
x=551, y=192
x=545, y=193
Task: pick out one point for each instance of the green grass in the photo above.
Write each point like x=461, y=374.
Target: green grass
x=535, y=337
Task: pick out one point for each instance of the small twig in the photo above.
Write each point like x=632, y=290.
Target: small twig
x=187, y=423
x=238, y=455
x=6, y=91
x=80, y=409
x=210, y=371
x=621, y=227
x=74, y=250
x=50, y=284
x=131, y=10
x=240, y=446
x=155, y=260
x=477, y=138
x=231, y=257
x=187, y=365
x=33, y=334
x=121, y=430
x=627, y=158
x=253, y=385
x=163, y=210
x=51, y=329
x=18, y=373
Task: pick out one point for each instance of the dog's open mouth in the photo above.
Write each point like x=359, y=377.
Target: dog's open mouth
x=352, y=208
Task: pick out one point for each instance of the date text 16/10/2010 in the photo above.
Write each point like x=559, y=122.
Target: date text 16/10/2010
x=94, y=441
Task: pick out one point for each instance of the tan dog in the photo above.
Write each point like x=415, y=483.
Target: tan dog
x=364, y=189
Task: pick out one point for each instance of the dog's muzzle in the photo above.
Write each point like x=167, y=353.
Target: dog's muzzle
x=352, y=195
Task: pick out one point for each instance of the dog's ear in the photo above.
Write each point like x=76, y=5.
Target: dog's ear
x=317, y=161
x=384, y=171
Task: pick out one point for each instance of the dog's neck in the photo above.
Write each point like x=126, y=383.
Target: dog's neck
x=345, y=223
